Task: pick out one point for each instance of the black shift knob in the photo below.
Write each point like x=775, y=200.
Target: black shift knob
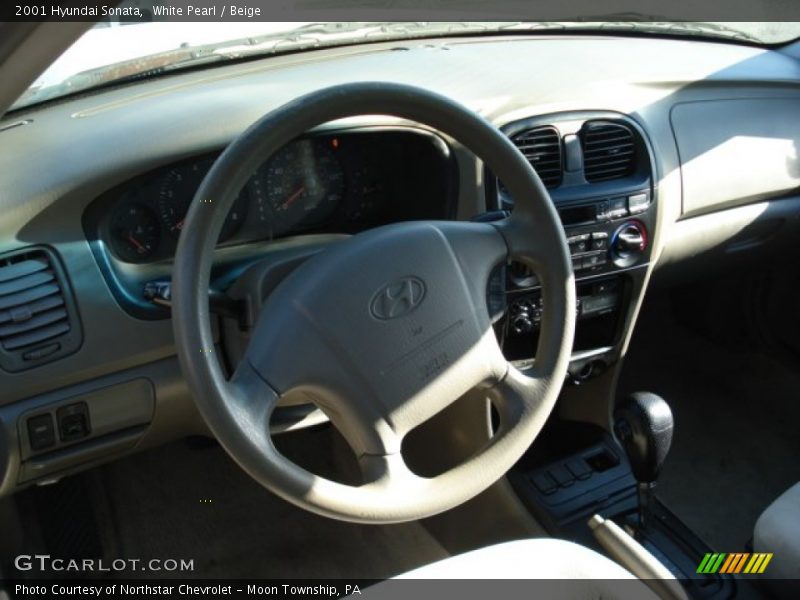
x=643, y=424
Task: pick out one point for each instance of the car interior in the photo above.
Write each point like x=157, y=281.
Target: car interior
x=495, y=302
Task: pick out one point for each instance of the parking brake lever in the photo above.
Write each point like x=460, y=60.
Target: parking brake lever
x=636, y=558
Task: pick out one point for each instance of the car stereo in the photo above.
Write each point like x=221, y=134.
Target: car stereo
x=607, y=237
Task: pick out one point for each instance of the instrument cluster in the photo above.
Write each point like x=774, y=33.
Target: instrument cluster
x=331, y=183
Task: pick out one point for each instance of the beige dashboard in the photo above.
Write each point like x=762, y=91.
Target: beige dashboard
x=720, y=121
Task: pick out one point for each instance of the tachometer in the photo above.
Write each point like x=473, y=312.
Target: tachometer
x=135, y=232
x=175, y=194
x=303, y=183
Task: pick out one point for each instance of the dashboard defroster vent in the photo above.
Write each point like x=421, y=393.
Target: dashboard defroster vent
x=38, y=320
x=609, y=151
x=542, y=147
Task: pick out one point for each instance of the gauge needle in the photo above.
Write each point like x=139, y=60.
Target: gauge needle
x=291, y=199
x=136, y=243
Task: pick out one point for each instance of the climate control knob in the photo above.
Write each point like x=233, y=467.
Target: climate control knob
x=628, y=243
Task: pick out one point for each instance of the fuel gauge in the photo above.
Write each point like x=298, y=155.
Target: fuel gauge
x=135, y=232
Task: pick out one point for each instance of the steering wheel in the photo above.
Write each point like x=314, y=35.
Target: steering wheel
x=381, y=331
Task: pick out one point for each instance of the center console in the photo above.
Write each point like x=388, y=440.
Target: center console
x=599, y=173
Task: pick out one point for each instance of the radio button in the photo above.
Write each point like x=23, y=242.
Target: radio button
x=618, y=207
x=578, y=243
x=638, y=203
x=594, y=260
x=599, y=240
x=581, y=237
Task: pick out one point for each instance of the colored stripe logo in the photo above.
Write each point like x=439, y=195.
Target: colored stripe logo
x=736, y=562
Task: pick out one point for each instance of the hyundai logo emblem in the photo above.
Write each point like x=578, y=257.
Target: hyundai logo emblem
x=398, y=298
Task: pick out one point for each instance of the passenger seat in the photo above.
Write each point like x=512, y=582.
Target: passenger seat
x=778, y=531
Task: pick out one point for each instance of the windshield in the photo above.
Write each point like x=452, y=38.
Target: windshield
x=112, y=51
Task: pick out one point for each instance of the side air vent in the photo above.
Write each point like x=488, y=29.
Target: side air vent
x=542, y=147
x=38, y=320
x=609, y=151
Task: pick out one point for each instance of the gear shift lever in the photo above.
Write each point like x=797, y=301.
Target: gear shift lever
x=643, y=424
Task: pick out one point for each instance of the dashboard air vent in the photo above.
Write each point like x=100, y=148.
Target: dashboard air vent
x=38, y=321
x=542, y=147
x=609, y=151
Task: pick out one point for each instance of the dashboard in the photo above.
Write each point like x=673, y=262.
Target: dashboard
x=100, y=185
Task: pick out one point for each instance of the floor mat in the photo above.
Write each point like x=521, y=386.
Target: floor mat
x=736, y=444
x=179, y=501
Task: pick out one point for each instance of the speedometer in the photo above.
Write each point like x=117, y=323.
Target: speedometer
x=178, y=187
x=302, y=184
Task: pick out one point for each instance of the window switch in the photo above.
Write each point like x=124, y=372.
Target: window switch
x=41, y=432
x=562, y=477
x=73, y=422
x=544, y=483
x=579, y=468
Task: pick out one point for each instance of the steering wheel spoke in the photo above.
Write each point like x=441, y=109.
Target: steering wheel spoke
x=517, y=395
x=534, y=250
x=252, y=400
x=386, y=470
